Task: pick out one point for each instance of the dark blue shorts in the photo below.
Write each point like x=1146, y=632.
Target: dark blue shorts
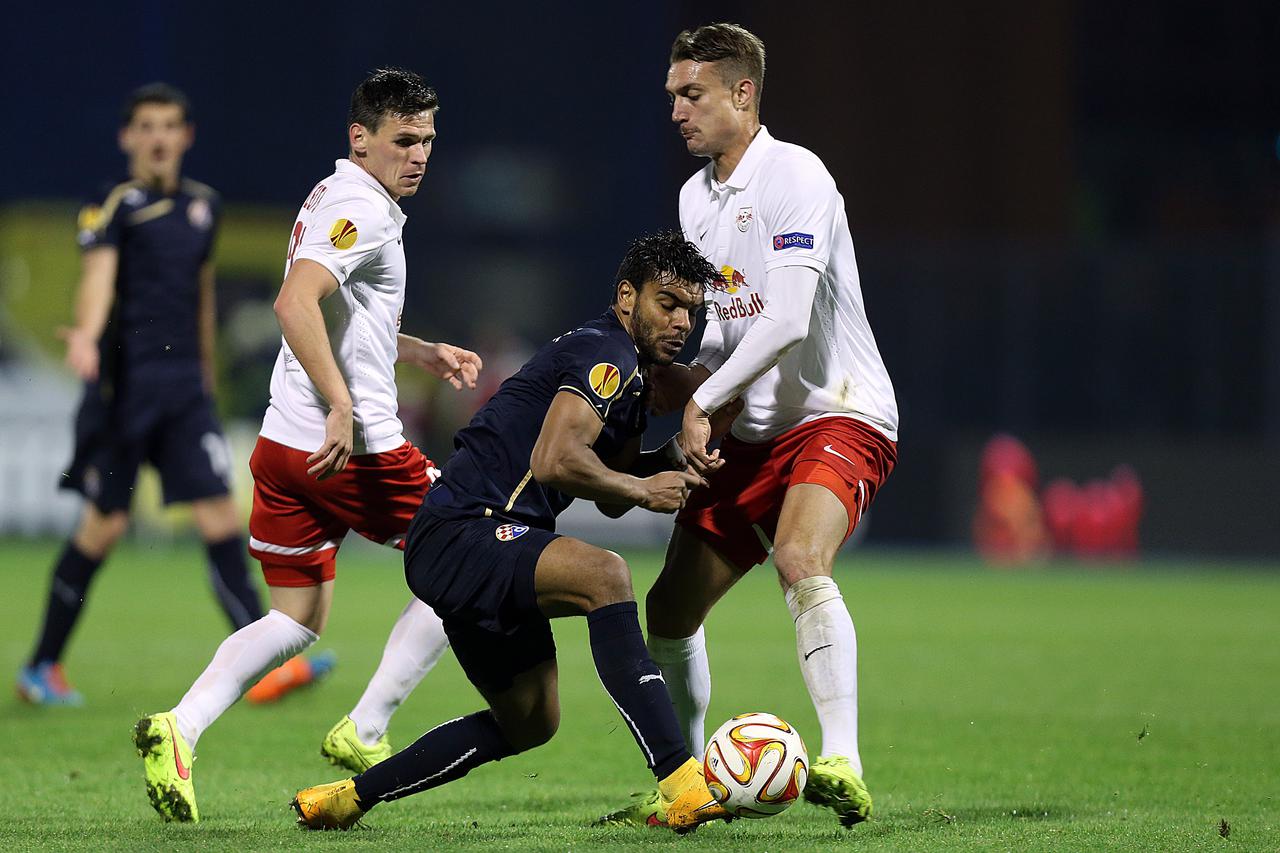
x=477, y=574
x=178, y=434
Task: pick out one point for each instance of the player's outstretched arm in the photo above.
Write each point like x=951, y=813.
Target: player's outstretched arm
x=563, y=459
x=94, y=295
x=302, y=322
x=458, y=366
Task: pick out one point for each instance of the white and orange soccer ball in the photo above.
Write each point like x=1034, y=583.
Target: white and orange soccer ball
x=756, y=765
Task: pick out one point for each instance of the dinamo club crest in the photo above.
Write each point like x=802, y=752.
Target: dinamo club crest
x=507, y=532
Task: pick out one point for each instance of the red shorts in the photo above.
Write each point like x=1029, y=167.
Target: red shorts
x=738, y=513
x=298, y=522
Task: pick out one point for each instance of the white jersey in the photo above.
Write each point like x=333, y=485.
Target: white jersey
x=781, y=208
x=352, y=227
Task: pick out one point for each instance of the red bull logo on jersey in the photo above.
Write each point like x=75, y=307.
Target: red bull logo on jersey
x=738, y=308
x=604, y=379
x=733, y=280
x=507, y=532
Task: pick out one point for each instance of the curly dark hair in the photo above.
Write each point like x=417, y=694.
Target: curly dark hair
x=665, y=257
x=390, y=92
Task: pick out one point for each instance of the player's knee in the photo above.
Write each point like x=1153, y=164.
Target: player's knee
x=796, y=561
x=612, y=581
x=99, y=532
x=531, y=730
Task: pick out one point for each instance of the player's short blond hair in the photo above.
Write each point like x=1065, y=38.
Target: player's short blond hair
x=739, y=52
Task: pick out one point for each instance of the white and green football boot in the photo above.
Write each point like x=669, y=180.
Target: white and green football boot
x=167, y=760
x=833, y=785
x=342, y=747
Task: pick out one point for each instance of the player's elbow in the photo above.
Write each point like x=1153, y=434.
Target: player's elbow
x=547, y=465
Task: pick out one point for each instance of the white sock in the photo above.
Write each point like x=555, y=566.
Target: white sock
x=687, y=673
x=237, y=664
x=417, y=641
x=828, y=650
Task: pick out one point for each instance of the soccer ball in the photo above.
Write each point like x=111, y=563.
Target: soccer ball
x=756, y=765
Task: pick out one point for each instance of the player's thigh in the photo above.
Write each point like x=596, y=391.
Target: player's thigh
x=378, y=494
x=812, y=526
x=190, y=453
x=295, y=541
x=306, y=605
x=216, y=518
x=694, y=577
x=98, y=531
x=573, y=578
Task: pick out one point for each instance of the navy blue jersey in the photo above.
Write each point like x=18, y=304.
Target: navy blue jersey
x=489, y=475
x=162, y=240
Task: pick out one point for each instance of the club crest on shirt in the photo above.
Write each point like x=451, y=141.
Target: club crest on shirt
x=604, y=379
x=343, y=234
x=744, y=218
x=794, y=240
x=507, y=532
x=199, y=214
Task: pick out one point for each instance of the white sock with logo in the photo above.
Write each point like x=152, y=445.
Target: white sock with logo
x=236, y=666
x=828, y=649
x=687, y=672
x=417, y=641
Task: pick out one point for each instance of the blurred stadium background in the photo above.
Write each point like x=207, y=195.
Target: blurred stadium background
x=1066, y=217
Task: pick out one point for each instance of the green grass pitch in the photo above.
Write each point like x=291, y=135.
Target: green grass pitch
x=1062, y=709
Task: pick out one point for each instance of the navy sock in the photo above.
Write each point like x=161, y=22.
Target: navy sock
x=70, y=583
x=447, y=752
x=229, y=575
x=635, y=684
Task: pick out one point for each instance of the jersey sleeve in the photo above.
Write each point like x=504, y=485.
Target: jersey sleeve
x=101, y=221
x=799, y=211
x=596, y=366
x=345, y=234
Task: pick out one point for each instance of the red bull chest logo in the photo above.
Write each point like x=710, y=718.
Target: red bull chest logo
x=737, y=307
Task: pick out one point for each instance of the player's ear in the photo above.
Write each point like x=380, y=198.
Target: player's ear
x=744, y=94
x=626, y=296
x=357, y=138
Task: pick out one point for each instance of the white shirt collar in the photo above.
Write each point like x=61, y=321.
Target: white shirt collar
x=346, y=167
x=746, y=167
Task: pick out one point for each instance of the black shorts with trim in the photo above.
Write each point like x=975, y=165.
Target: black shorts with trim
x=178, y=434
x=477, y=574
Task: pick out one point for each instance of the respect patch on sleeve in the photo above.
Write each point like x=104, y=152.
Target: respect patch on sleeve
x=794, y=240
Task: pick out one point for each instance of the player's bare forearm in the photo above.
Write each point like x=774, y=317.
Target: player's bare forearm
x=563, y=457
x=671, y=386
x=94, y=295
x=302, y=322
x=459, y=367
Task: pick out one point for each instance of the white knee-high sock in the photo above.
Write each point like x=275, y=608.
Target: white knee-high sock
x=417, y=641
x=687, y=672
x=828, y=650
x=239, y=662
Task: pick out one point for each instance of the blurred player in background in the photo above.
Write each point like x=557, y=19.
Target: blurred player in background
x=143, y=342
x=483, y=552
x=331, y=456
x=787, y=331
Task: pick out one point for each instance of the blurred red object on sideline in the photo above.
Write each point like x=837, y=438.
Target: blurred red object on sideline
x=1014, y=525
x=1009, y=528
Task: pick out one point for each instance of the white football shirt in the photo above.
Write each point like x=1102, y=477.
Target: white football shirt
x=352, y=227
x=781, y=208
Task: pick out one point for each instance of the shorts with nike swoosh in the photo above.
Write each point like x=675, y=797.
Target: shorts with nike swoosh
x=738, y=513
